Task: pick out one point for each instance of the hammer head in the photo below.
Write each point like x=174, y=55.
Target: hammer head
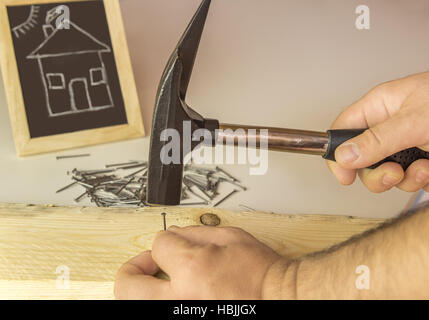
x=171, y=112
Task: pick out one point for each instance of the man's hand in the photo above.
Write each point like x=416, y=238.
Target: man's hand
x=397, y=115
x=203, y=263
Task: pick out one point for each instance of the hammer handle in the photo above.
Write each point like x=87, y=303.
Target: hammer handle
x=404, y=158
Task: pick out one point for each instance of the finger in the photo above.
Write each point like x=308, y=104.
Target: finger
x=383, y=178
x=344, y=176
x=376, y=108
x=170, y=250
x=416, y=176
x=142, y=264
x=135, y=280
x=377, y=105
x=197, y=234
x=203, y=235
x=381, y=141
x=355, y=117
x=142, y=287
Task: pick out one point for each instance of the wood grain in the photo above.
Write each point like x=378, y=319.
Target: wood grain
x=24, y=144
x=94, y=242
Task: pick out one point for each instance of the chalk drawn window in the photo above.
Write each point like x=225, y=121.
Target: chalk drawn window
x=97, y=76
x=56, y=81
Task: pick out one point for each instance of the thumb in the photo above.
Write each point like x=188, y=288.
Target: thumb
x=396, y=134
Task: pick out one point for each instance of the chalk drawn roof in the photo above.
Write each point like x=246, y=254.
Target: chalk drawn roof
x=63, y=42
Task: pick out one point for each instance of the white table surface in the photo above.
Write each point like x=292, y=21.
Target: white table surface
x=275, y=63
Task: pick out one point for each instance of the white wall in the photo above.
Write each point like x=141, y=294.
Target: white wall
x=287, y=63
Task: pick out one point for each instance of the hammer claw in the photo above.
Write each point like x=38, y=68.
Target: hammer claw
x=189, y=43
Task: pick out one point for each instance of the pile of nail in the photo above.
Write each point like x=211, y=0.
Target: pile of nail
x=115, y=186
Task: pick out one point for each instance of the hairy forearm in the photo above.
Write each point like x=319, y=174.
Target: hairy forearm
x=397, y=257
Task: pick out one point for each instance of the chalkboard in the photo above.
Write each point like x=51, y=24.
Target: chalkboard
x=67, y=66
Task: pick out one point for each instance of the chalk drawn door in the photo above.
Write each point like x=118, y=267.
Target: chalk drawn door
x=79, y=95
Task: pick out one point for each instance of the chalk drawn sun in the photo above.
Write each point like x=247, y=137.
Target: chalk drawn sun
x=29, y=21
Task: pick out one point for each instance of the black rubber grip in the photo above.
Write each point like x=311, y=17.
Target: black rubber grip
x=404, y=158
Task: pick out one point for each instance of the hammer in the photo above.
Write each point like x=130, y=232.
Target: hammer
x=171, y=112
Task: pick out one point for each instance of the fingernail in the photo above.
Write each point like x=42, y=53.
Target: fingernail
x=348, y=153
x=422, y=176
x=389, y=181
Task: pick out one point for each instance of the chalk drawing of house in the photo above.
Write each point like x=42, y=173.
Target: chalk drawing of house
x=72, y=70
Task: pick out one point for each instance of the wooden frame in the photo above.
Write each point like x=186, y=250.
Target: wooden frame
x=93, y=242
x=25, y=145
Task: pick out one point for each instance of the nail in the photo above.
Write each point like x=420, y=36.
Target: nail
x=235, y=184
x=389, y=181
x=67, y=187
x=73, y=156
x=121, y=164
x=246, y=207
x=124, y=186
x=422, y=176
x=227, y=174
x=348, y=153
x=226, y=198
x=133, y=166
x=135, y=173
x=206, y=203
x=78, y=199
x=164, y=220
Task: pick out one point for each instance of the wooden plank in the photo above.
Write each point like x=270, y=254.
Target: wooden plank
x=94, y=242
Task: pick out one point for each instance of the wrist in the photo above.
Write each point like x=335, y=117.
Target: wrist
x=280, y=281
